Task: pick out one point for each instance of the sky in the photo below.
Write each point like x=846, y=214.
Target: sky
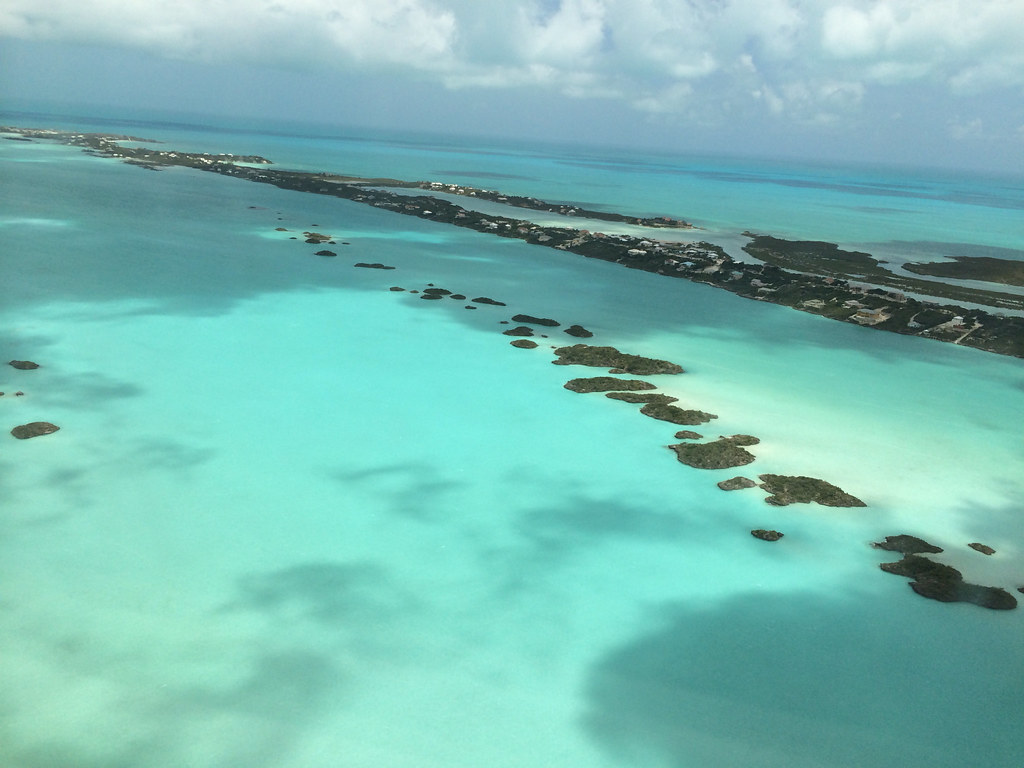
x=923, y=82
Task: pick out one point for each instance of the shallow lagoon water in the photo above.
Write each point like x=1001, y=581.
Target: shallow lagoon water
x=295, y=519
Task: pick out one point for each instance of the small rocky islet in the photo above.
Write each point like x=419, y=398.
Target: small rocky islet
x=784, y=490
x=736, y=484
x=637, y=398
x=34, y=429
x=660, y=406
x=723, y=453
x=938, y=581
x=607, y=384
x=317, y=238
x=791, y=489
x=673, y=414
x=613, y=359
x=906, y=544
x=530, y=319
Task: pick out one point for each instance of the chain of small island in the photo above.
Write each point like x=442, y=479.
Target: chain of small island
x=814, y=277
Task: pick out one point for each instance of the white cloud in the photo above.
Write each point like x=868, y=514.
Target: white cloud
x=673, y=99
x=405, y=31
x=841, y=94
x=854, y=33
x=417, y=33
x=963, y=44
x=570, y=37
x=966, y=129
x=799, y=59
x=776, y=104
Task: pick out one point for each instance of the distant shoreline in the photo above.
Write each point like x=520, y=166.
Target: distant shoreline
x=814, y=277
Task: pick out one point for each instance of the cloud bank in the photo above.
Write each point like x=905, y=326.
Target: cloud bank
x=808, y=61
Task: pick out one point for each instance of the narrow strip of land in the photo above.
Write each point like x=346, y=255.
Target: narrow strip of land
x=813, y=277
x=986, y=268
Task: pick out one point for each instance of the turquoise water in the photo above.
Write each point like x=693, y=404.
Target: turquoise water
x=295, y=519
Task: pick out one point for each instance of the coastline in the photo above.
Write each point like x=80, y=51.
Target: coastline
x=826, y=292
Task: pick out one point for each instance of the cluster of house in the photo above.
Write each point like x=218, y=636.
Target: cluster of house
x=524, y=202
x=453, y=189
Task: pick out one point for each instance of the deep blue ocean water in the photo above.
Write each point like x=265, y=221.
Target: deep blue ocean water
x=293, y=518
